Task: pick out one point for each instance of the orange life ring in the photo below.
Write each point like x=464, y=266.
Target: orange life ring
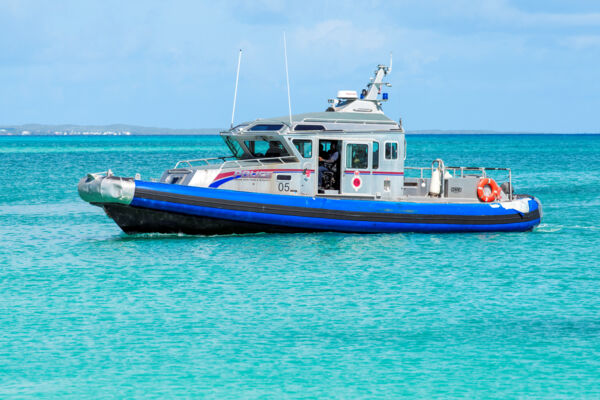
x=495, y=190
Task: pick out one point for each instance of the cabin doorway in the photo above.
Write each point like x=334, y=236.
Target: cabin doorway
x=329, y=179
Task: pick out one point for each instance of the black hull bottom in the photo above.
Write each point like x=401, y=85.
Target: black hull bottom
x=133, y=220
x=142, y=220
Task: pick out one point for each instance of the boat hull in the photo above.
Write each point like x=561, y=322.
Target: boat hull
x=167, y=208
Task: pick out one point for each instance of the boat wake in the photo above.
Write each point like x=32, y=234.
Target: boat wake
x=551, y=228
x=548, y=228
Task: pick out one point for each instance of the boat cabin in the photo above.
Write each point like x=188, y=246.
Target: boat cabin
x=350, y=150
x=330, y=153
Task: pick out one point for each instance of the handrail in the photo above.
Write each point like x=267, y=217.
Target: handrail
x=235, y=163
x=467, y=169
x=204, y=160
x=461, y=169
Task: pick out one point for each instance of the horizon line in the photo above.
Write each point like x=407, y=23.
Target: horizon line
x=43, y=127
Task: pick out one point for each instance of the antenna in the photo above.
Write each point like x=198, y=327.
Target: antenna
x=390, y=67
x=287, y=78
x=237, y=76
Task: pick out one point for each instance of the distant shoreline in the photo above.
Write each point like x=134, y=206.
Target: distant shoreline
x=2, y=134
x=496, y=133
x=133, y=130
x=99, y=130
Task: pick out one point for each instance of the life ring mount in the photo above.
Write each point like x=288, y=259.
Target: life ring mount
x=494, y=193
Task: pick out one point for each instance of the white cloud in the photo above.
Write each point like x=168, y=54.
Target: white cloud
x=343, y=44
x=502, y=11
x=339, y=35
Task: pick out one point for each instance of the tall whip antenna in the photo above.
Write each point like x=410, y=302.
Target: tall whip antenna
x=287, y=78
x=237, y=77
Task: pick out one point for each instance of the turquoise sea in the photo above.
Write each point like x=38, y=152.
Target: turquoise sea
x=88, y=312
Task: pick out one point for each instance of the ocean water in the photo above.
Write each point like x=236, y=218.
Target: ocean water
x=89, y=312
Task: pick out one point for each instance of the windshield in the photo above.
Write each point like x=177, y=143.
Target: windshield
x=255, y=148
x=265, y=148
x=234, y=146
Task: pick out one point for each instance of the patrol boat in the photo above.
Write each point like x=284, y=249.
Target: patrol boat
x=338, y=170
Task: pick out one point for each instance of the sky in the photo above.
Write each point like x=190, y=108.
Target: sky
x=528, y=66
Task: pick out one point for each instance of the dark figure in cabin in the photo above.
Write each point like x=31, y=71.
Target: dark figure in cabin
x=322, y=152
x=328, y=163
x=274, y=150
x=360, y=159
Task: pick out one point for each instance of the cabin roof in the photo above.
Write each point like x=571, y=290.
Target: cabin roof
x=333, y=116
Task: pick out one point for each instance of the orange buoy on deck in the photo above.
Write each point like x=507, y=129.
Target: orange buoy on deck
x=495, y=191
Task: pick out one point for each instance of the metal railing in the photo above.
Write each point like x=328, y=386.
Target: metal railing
x=462, y=170
x=466, y=171
x=224, y=163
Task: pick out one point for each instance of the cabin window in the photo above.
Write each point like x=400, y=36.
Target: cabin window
x=391, y=150
x=375, y=155
x=266, y=148
x=357, y=155
x=234, y=146
x=344, y=102
x=304, y=147
x=266, y=127
x=309, y=128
